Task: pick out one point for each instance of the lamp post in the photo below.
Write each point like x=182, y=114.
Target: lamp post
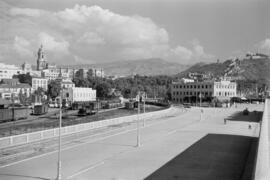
x=144, y=109
x=138, y=121
x=59, y=176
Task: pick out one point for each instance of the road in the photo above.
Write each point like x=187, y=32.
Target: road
x=115, y=156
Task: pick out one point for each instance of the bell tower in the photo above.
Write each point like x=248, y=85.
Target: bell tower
x=41, y=62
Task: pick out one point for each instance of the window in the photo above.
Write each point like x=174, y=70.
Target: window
x=206, y=86
x=202, y=86
x=187, y=86
x=180, y=86
x=191, y=86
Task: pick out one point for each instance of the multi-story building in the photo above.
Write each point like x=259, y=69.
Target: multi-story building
x=52, y=74
x=39, y=82
x=186, y=91
x=7, y=91
x=65, y=83
x=7, y=71
x=79, y=94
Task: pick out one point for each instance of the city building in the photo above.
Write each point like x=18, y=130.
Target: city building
x=79, y=94
x=65, y=82
x=39, y=82
x=26, y=68
x=9, y=91
x=93, y=72
x=52, y=74
x=7, y=71
x=194, y=90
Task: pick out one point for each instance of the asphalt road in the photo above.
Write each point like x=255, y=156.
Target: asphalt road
x=115, y=156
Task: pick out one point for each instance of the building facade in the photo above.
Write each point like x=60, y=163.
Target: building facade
x=38, y=82
x=79, y=94
x=7, y=71
x=8, y=91
x=187, y=91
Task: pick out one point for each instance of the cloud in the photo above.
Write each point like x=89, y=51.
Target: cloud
x=83, y=33
x=51, y=44
x=193, y=54
x=25, y=12
x=265, y=45
x=182, y=52
x=21, y=46
x=91, y=38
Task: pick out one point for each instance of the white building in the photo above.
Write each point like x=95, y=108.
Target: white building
x=52, y=74
x=79, y=94
x=7, y=71
x=7, y=90
x=187, y=91
x=39, y=82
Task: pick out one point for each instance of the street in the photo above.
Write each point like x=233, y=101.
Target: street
x=115, y=155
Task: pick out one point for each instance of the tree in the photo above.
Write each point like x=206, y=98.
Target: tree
x=24, y=78
x=54, y=88
x=40, y=91
x=103, y=89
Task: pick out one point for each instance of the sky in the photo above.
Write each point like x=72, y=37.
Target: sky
x=96, y=31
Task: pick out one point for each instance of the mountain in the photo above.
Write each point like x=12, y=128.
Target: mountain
x=246, y=69
x=154, y=66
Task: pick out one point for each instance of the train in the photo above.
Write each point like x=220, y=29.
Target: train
x=40, y=109
x=109, y=104
x=88, y=108
x=13, y=114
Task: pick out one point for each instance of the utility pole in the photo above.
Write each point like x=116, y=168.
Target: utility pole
x=59, y=176
x=138, y=121
x=144, y=96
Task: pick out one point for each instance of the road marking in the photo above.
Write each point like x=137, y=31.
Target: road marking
x=99, y=139
x=85, y=170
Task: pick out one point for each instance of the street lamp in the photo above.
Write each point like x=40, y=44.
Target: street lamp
x=59, y=176
x=138, y=120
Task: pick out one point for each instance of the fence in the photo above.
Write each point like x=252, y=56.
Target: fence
x=262, y=164
x=45, y=134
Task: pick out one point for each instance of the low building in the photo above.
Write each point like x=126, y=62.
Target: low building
x=79, y=94
x=189, y=91
x=39, y=82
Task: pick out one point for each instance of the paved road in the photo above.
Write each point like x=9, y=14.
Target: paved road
x=115, y=157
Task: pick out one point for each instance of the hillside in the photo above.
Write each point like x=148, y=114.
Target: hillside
x=142, y=67
x=246, y=69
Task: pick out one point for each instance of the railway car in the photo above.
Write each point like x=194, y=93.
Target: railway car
x=40, y=109
x=12, y=114
x=89, y=108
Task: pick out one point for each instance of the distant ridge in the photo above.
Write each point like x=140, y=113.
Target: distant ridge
x=153, y=66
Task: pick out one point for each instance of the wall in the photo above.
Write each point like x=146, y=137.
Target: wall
x=50, y=133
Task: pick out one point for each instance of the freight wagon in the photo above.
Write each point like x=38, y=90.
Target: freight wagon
x=13, y=114
x=40, y=109
x=89, y=108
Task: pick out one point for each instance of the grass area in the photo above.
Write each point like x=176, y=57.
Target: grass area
x=52, y=121
x=214, y=157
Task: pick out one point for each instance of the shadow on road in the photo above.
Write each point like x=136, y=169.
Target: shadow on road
x=215, y=156
x=254, y=116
